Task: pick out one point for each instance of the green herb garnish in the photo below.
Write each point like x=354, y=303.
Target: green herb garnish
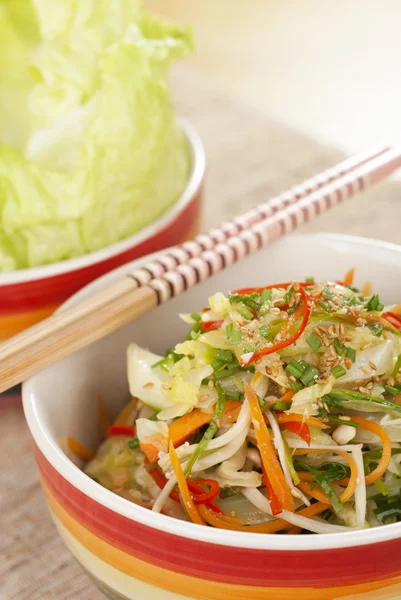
x=244, y=312
x=210, y=431
x=264, y=331
x=338, y=371
x=351, y=354
x=314, y=341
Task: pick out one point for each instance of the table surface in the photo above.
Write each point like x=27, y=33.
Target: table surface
x=249, y=160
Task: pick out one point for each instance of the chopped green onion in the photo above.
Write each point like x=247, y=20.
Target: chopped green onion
x=133, y=443
x=288, y=294
x=233, y=395
x=195, y=316
x=251, y=300
x=295, y=385
x=309, y=375
x=223, y=373
x=266, y=295
x=295, y=368
x=397, y=366
x=338, y=371
x=351, y=353
x=375, y=328
x=325, y=306
x=339, y=348
x=280, y=405
x=229, y=330
x=264, y=331
x=249, y=348
x=195, y=334
x=391, y=390
x=210, y=431
x=382, y=489
x=236, y=336
x=225, y=356
x=327, y=294
x=314, y=341
x=309, y=279
x=292, y=309
x=290, y=464
x=244, y=312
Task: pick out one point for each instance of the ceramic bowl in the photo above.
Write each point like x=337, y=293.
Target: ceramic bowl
x=29, y=295
x=132, y=553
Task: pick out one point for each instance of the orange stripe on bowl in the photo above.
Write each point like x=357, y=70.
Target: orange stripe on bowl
x=197, y=588
x=12, y=324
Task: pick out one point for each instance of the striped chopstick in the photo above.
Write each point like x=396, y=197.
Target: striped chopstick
x=207, y=241
x=109, y=309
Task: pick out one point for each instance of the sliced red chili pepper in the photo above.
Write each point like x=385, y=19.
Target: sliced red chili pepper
x=127, y=430
x=161, y=481
x=393, y=319
x=300, y=429
x=200, y=496
x=211, y=325
x=307, y=310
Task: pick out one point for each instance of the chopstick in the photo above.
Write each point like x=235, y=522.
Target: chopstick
x=109, y=309
x=207, y=241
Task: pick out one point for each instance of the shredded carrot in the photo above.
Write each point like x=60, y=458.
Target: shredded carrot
x=292, y=417
x=181, y=429
x=79, y=450
x=349, y=277
x=315, y=492
x=269, y=459
x=270, y=527
x=367, y=289
x=352, y=482
x=288, y=396
x=386, y=454
x=189, y=504
x=126, y=416
x=152, y=446
x=103, y=420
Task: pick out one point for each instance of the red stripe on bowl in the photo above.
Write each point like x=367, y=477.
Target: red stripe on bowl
x=322, y=568
x=53, y=290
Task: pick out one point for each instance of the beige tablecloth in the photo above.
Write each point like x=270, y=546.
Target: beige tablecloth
x=249, y=160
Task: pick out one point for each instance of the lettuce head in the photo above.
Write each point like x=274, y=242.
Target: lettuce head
x=90, y=150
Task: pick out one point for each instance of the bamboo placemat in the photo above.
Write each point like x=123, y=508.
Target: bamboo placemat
x=249, y=160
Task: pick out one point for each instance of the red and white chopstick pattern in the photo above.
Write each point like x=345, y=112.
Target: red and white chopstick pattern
x=210, y=262
x=207, y=241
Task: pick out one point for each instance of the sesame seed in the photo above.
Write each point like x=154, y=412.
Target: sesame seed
x=268, y=370
x=344, y=418
x=203, y=398
x=390, y=381
x=366, y=370
x=296, y=286
x=148, y=385
x=360, y=322
x=369, y=386
x=372, y=366
x=332, y=305
x=326, y=408
x=376, y=379
x=326, y=343
x=359, y=382
x=366, y=346
x=348, y=363
x=320, y=403
x=332, y=350
x=166, y=386
x=296, y=493
x=398, y=378
x=342, y=328
x=348, y=338
x=317, y=331
x=363, y=390
x=292, y=378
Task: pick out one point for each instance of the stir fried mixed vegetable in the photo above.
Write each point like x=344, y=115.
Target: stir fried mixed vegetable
x=279, y=412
